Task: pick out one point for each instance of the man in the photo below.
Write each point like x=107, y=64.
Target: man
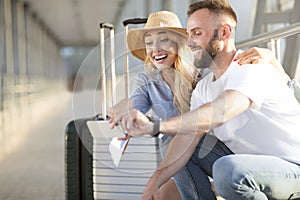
x=249, y=109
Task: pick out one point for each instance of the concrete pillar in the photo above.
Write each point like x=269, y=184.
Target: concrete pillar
x=21, y=38
x=8, y=37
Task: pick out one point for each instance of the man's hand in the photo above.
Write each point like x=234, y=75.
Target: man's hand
x=137, y=124
x=132, y=121
x=119, y=110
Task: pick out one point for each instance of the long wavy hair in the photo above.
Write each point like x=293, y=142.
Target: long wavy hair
x=186, y=74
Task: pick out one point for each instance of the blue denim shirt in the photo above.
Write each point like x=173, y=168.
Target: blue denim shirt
x=153, y=93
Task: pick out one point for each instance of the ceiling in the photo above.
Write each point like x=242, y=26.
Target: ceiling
x=75, y=22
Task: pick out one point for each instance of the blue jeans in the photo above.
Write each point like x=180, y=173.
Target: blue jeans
x=179, y=177
x=192, y=181
x=236, y=176
x=256, y=177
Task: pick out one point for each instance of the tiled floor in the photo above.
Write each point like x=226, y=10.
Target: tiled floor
x=34, y=170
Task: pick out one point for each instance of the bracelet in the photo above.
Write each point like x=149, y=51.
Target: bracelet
x=293, y=83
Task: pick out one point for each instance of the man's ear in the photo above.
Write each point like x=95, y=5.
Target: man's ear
x=225, y=32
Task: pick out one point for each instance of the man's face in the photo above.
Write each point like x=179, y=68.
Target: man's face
x=203, y=38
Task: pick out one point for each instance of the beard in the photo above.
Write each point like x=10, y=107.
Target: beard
x=208, y=52
x=204, y=61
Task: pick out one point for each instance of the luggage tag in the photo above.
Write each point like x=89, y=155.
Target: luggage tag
x=102, y=129
x=117, y=148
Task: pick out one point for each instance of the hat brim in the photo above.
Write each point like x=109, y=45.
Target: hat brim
x=135, y=40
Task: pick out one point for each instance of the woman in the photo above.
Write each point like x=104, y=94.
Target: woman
x=169, y=78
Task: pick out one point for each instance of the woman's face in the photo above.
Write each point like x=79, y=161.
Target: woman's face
x=161, y=50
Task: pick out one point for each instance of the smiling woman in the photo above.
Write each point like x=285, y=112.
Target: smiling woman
x=169, y=78
x=161, y=45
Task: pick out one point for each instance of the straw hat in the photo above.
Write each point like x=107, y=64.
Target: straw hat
x=158, y=20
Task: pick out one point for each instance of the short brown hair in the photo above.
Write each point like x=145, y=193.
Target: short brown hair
x=218, y=7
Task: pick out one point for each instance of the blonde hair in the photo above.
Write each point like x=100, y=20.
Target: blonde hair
x=185, y=73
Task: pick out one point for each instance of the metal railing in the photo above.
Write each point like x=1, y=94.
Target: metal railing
x=274, y=37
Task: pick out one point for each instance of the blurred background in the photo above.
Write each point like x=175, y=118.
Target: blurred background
x=50, y=72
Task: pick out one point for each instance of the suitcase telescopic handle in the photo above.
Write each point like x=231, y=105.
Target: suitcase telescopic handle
x=103, y=26
x=126, y=71
x=106, y=25
x=134, y=21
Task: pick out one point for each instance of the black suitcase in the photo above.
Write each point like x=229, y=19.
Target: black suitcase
x=78, y=160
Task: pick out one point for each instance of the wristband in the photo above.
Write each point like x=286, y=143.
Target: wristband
x=156, y=128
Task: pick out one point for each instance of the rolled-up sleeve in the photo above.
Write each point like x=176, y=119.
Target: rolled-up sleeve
x=140, y=94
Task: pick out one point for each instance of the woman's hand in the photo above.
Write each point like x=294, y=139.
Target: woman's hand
x=257, y=55
x=119, y=110
x=151, y=192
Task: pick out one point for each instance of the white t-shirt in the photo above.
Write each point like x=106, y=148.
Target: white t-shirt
x=271, y=126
